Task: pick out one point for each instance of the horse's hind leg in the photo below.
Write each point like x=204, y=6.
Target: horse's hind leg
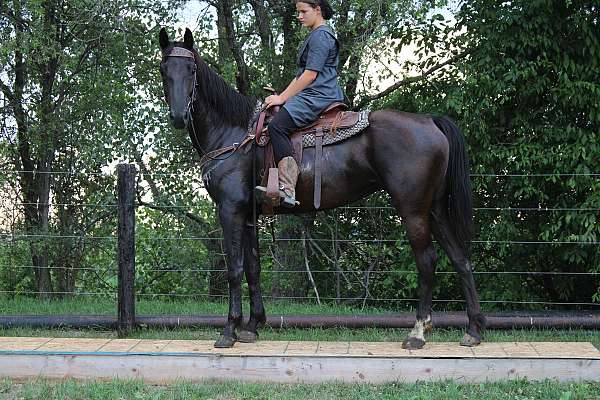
x=249, y=333
x=412, y=197
x=447, y=239
x=419, y=236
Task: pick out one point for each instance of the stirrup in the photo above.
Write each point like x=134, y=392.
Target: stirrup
x=283, y=200
x=261, y=195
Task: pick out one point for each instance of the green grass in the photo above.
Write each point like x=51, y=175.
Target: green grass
x=518, y=390
x=104, y=306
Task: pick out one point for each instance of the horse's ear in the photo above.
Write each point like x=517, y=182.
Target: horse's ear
x=163, y=39
x=188, y=38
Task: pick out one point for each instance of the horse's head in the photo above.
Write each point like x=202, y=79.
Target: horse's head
x=178, y=70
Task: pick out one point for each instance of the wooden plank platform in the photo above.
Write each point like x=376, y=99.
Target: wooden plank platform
x=164, y=361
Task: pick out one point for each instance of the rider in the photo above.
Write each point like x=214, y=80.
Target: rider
x=313, y=89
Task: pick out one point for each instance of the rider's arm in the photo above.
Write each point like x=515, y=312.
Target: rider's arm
x=299, y=83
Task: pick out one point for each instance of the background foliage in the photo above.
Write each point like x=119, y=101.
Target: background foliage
x=80, y=91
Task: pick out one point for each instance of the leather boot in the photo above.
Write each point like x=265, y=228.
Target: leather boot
x=288, y=176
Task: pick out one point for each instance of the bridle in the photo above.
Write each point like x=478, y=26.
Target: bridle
x=207, y=156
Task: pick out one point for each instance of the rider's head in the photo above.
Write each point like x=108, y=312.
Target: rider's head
x=311, y=11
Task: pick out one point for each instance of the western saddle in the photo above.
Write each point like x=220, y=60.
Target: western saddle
x=334, y=117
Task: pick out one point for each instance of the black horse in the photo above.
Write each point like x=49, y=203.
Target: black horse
x=419, y=160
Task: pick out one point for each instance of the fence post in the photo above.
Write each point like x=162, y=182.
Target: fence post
x=126, y=247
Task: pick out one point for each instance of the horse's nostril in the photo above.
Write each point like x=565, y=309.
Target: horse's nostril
x=179, y=121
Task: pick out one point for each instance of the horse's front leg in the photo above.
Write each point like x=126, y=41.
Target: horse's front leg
x=233, y=223
x=252, y=268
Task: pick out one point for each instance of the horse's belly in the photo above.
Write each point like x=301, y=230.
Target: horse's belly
x=346, y=176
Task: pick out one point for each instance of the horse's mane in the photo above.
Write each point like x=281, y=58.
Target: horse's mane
x=233, y=107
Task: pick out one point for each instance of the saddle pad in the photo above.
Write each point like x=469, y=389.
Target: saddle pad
x=308, y=140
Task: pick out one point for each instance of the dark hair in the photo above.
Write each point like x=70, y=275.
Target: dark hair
x=326, y=9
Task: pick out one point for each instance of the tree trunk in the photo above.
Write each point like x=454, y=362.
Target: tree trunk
x=224, y=52
x=227, y=26
x=47, y=72
x=289, y=278
x=30, y=182
x=352, y=36
x=290, y=45
x=264, y=31
x=70, y=251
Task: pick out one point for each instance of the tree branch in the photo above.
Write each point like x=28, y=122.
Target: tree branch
x=313, y=245
x=69, y=84
x=169, y=207
x=15, y=19
x=7, y=93
x=225, y=7
x=411, y=79
x=310, y=276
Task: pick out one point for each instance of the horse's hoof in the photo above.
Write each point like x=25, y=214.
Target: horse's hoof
x=225, y=342
x=469, y=341
x=413, y=343
x=246, y=336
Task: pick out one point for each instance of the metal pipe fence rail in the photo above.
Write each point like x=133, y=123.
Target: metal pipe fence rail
x=516, y=320
x=126, y=239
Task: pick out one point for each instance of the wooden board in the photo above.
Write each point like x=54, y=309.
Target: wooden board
x=164, y=361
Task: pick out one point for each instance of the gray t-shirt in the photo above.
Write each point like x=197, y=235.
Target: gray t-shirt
x=320, y=53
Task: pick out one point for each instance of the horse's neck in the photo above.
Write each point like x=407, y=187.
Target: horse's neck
x=210, y=132
x=218, y=122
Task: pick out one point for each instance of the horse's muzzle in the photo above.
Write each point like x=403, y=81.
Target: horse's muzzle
x=179, y=121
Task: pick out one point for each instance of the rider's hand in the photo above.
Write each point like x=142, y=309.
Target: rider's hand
x=273, y=100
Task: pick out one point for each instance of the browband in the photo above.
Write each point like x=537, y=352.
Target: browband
x=180, y=52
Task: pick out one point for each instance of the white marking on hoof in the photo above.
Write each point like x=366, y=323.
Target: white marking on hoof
x=419, y=330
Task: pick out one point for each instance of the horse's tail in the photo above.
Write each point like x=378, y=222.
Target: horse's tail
x=460, y=201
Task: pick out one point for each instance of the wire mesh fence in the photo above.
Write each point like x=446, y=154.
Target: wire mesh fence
x=526, y=256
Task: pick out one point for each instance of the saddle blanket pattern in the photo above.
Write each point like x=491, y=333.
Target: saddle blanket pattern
x=308, y=140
